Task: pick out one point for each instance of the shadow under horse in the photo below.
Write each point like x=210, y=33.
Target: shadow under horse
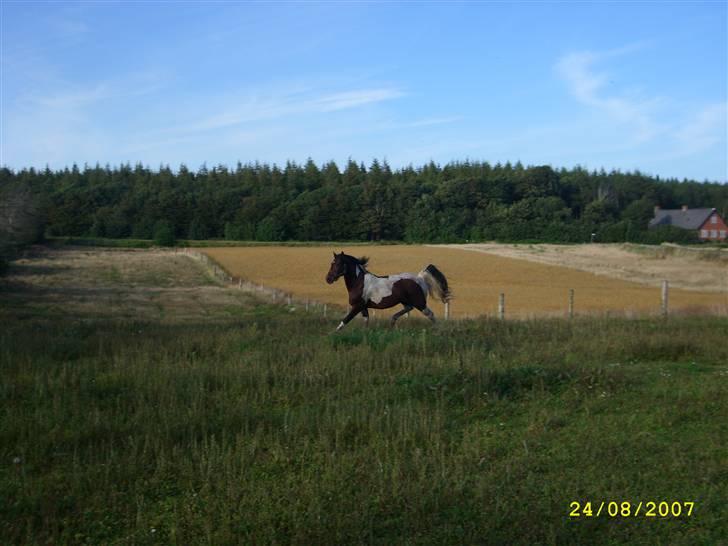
x=367, y=290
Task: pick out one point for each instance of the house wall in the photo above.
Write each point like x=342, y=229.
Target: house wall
x=714, y=229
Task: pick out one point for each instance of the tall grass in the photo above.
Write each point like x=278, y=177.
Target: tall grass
x=265, y=430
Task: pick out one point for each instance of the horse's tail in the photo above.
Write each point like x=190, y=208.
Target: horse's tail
x=436, y=283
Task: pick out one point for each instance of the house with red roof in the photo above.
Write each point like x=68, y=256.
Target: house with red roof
x=707, y=222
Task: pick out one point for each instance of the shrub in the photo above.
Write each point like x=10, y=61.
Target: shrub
x=669, y=234
x=164, y=234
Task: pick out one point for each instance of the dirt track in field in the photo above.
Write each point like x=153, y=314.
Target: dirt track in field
x=477, y=278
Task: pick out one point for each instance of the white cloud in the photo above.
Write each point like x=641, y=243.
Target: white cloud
x=704, y=129
x=353, y=99
x=74, y=98
x=59, y=123
x=635, y=121
x=274, y=106
x=427, y=122
x=590, y=87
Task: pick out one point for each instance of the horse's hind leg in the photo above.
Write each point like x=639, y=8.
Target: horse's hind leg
x=393, y=320
x=365, y=314
x=428, y=313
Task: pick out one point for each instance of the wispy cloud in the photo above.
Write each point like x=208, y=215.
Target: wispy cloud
x=592, y=88
x=705, y=128
x=353, y=99
x=65, y=119
x=428, y=122
x=639, y=119
x=59, y=94
x=253, y=108
x=73, y=98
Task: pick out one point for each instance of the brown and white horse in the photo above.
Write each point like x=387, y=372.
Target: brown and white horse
x=367, y=290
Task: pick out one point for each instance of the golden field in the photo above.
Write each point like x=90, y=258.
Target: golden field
x=476, y=279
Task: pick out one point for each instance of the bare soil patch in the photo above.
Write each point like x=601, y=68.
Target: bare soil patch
x=128, y=284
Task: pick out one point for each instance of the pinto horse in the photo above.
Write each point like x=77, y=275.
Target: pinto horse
x=368, y=290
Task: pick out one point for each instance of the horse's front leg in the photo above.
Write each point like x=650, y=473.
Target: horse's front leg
x=355, y=310
x=365, y=314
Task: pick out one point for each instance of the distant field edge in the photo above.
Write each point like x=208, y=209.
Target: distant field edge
x=149, y=243
x=708, y=250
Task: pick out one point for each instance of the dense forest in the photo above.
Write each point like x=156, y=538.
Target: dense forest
x=456, y=202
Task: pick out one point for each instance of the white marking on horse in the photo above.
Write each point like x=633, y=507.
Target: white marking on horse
x=378, y=288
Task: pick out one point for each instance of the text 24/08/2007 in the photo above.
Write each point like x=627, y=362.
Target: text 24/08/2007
x=627, y=509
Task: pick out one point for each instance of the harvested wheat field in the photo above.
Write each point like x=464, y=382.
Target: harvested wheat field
x=477, y=279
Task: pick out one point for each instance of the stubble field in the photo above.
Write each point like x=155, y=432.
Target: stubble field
x=531, y=288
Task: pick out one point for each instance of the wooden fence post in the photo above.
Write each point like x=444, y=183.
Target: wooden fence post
x=571, y=303
x=502, y=306
x=665, y=296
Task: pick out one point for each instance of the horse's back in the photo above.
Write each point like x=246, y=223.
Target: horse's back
x=402, y=288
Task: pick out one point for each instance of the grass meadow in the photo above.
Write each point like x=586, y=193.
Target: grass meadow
x=260, y=426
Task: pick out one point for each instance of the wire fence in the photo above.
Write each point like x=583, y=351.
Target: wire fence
x=311, y=305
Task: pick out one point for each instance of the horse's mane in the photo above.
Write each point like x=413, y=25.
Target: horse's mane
x=361, y=262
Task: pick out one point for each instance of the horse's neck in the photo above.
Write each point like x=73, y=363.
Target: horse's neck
x=354, y=280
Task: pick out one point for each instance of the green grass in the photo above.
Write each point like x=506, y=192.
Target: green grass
x=99, y=242
x=268, y=430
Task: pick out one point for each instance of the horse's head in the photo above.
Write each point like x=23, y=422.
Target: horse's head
x=337, y=269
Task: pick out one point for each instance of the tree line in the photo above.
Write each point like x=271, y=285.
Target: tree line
x=460, y=201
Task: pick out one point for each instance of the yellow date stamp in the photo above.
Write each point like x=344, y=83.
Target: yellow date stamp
x=629, y=509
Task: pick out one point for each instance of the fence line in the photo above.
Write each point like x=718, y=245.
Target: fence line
x=664, y=303
x=250, y=287
x=279, y=295
x=253, y=288
x=571, y=303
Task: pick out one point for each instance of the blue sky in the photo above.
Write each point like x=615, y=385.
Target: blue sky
x=618, y=85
